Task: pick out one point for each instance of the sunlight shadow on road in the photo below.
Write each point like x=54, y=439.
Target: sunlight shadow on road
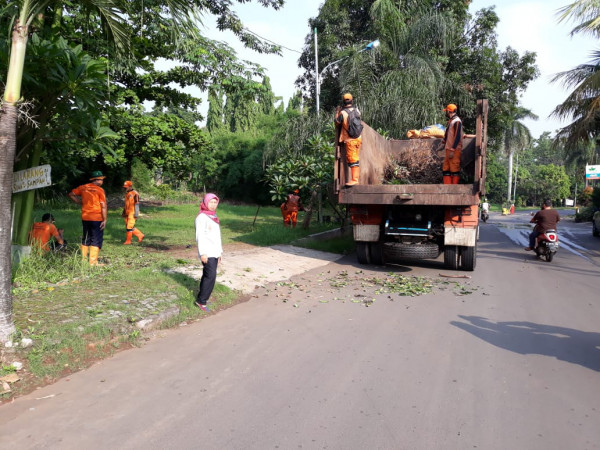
x=565, y=344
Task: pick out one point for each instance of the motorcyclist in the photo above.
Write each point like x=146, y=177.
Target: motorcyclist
x=485, y=207
x=545, y=219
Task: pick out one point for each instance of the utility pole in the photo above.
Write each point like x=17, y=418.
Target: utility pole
x=516, y=175
x=318, y=82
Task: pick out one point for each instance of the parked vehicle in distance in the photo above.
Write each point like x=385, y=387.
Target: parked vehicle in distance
x=596, y=224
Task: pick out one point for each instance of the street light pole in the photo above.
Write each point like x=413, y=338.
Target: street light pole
x=318, y=82
x=370, y=46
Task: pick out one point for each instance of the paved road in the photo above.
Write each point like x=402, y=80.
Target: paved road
x=307, y=364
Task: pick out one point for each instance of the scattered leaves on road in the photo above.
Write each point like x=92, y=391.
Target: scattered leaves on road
x=362, y=289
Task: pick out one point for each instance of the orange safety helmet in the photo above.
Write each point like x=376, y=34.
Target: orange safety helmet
x=347, y=96
x=450, y=108
x=296, y=191
x=127, y=184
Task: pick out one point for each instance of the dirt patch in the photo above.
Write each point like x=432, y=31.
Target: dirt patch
x=245, y=268
x=190, y=252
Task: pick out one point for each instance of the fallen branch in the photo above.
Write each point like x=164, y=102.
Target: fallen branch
x=454, y=276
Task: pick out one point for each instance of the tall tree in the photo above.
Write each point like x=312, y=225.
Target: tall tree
x=241, y=111
x=214, y=117
x=516, y=137
x=266, y=98
x=402, y=86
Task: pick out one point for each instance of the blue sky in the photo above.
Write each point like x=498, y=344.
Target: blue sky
x=524, y=26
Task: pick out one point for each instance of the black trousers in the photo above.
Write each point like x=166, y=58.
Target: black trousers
x=207, y=282
x=92, y=234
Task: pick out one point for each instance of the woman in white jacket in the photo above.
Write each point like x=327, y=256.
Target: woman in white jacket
x=208, y=239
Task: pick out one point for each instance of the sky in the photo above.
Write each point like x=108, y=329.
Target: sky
x=524, y=26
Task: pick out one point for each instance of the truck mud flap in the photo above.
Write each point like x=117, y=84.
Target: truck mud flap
x=465, y=237
x=366, y=233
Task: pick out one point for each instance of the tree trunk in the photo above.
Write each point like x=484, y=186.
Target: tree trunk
x=8, y=146
x=8, y=136
x=309, y=210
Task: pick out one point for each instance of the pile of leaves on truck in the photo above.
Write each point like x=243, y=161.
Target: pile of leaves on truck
x=420, y=165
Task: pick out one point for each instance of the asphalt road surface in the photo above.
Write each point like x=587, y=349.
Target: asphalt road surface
x=509, y=359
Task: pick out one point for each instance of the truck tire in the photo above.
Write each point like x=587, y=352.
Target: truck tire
x=362, y=253
x=412, y=251
x=376, y=252
x=451, y=257
x=468, y=258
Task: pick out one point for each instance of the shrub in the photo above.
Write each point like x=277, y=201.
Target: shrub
x=595, y=198
x=585, y=214
x=585, y=197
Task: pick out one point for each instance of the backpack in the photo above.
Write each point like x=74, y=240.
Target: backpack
x=355, y=125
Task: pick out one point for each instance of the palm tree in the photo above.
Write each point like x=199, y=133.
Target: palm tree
x=403, y=84
x=583, y=104
x=586, y=12
x=515, y=138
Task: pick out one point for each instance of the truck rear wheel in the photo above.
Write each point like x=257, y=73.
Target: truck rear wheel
x=468, y=258
x=362, y=253
x=376, y=252
x=451, y=257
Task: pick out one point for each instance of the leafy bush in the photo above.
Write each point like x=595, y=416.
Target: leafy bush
x=596, y=198
x=585, y=197
x=141, y=176
x=585, y=214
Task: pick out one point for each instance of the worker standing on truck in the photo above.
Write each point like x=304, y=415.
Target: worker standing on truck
x=453, y=141
x=348, y=120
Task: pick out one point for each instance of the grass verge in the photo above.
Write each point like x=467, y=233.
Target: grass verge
x=76, y=314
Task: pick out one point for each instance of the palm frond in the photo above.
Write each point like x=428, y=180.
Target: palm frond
x=586, y=12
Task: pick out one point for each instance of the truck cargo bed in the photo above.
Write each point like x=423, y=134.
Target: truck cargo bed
x=377, y=153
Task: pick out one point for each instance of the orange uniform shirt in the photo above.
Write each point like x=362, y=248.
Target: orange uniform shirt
x=42, y=232
x=91, y=197
x=131, y=199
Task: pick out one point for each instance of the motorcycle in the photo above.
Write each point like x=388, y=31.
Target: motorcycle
x=484, y=215
x=547, y=245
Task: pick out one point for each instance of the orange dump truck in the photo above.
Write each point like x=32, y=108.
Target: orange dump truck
x=398, y=220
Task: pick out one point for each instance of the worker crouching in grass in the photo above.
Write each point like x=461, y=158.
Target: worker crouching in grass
x=290, y=208
x=45, y=235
